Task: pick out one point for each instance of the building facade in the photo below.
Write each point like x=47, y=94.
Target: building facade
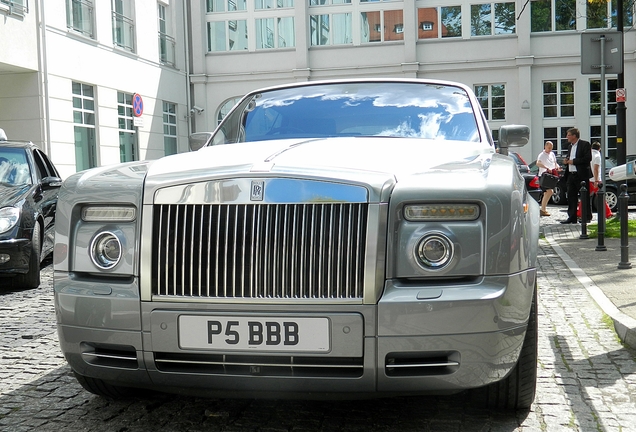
x=99, y=82
x=95, y=82
x=523, y=58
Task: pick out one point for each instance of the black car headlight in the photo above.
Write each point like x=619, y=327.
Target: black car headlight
x=9, y=217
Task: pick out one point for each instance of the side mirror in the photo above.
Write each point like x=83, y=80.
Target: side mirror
x=198, y=140
x=513, y=136
x=51, y=183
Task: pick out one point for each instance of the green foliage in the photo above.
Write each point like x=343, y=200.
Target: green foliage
x=613, y=228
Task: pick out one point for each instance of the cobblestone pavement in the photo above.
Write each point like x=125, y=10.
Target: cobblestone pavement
x=587, y=381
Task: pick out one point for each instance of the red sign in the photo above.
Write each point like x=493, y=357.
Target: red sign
x=138, y=105
x=621, y=95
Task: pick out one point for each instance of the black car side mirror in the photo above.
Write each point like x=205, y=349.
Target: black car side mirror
x=51, y=183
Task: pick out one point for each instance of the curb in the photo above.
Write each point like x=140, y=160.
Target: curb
x=624, y=325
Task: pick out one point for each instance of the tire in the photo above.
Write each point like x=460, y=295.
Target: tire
x=31, y=279
x=558, y=197
x=517, y=390
x=611, y=197
x=103, y=389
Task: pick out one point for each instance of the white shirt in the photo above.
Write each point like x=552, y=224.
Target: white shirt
x=548, y=160
x=573, y=154
x=596, y=160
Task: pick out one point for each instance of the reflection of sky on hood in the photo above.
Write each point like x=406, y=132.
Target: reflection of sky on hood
x=409, y=110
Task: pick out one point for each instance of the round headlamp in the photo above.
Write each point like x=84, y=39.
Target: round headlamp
x=106, y=250
x=434, y=251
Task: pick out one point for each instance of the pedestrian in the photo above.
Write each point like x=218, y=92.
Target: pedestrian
x=577, y=170
x=546, y=161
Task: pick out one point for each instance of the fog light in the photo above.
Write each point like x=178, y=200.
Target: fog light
x=4, y=258
x=434, y=251
x=106, y=250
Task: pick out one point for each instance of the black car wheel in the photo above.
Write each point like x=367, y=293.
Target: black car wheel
x=558, y=197
x=611, y=197
x=31, y=279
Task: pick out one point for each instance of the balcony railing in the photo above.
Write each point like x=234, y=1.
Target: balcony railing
x=80, y=17
x=123, y=32
x=167, y=47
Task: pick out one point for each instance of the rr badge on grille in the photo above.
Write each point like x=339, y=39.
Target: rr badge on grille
x=258, y=190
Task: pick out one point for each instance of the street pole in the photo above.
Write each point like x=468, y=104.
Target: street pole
x=621, y=109
x=601, y=214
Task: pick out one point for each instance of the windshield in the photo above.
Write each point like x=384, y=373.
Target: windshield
x=14, y=168
x=378, y=109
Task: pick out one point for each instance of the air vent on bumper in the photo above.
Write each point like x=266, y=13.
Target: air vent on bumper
x=422, y=363
x=118, y=356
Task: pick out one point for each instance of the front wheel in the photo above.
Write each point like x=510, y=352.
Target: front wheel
x=31, y=279
x=517, y=390
x=611, y=197
x=558, y=197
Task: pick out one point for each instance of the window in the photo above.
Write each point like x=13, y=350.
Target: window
x=84, y=129
x=123, y=24
x=166, y=42
x=273, y=4
x=610, y=135
x=128, y=150
x=327, y=2
x=603, y=13
x=440, y=22
x=227, y=35
x=79, y=16
x=382, y=26
x=482, y=22
x=225, y=108
x=15, y=7
x=169, y=128
x=558, y=99
x=558, y=137
x=610, y=97
x=226, y=5
x=275, y=33
x=553, y=15
x=330, y=29
x=492, y=99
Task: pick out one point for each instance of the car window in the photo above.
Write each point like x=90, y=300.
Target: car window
x=405, y=110
x=14, y=168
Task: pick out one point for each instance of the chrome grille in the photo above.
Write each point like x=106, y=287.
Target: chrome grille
x=278, y=251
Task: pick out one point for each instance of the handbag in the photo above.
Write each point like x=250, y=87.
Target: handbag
x=548, y=181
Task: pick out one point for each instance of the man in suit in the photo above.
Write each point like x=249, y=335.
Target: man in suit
x=577, y=170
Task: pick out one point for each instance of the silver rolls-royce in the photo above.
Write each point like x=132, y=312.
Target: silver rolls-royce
x=358, y=237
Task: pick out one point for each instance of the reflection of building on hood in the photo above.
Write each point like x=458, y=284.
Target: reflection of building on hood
x=3, y=136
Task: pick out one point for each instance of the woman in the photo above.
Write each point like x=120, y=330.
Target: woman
x=546, y=161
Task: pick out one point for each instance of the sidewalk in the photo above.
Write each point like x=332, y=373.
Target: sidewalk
x=612, y=288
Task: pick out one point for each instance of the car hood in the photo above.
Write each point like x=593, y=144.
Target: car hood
x=10, y=195
x=375, y=160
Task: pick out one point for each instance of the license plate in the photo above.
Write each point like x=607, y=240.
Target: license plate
x=254, y=333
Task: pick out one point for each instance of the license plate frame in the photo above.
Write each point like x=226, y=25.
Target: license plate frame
x=258, y=333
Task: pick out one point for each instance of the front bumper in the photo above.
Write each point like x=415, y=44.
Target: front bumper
x=19, y=254
x=418, y=340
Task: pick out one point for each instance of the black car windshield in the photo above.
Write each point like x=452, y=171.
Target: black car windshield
x=14, y=168
x=379, y=109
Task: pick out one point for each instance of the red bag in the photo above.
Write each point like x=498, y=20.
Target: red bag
x=608, y=211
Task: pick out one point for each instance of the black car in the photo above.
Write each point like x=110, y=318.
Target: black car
x=29, y=184
x=532, y=180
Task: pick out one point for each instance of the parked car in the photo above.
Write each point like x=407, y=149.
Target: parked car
x=29, y=185
x=531, y=179
x=350, y=237
x=613, y=188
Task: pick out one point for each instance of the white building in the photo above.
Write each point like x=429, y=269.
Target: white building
x=72, y=70
x=523, y=58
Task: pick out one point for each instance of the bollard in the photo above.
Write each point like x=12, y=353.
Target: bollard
x=600, y=202
x=584, y=207
x=622, y=208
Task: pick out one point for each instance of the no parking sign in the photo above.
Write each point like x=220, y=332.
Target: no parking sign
x=138, y=105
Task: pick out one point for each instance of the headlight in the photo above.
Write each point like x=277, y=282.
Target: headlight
x=434, y=251
x=436, y=212
x=106, y=250
x=9, y=217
